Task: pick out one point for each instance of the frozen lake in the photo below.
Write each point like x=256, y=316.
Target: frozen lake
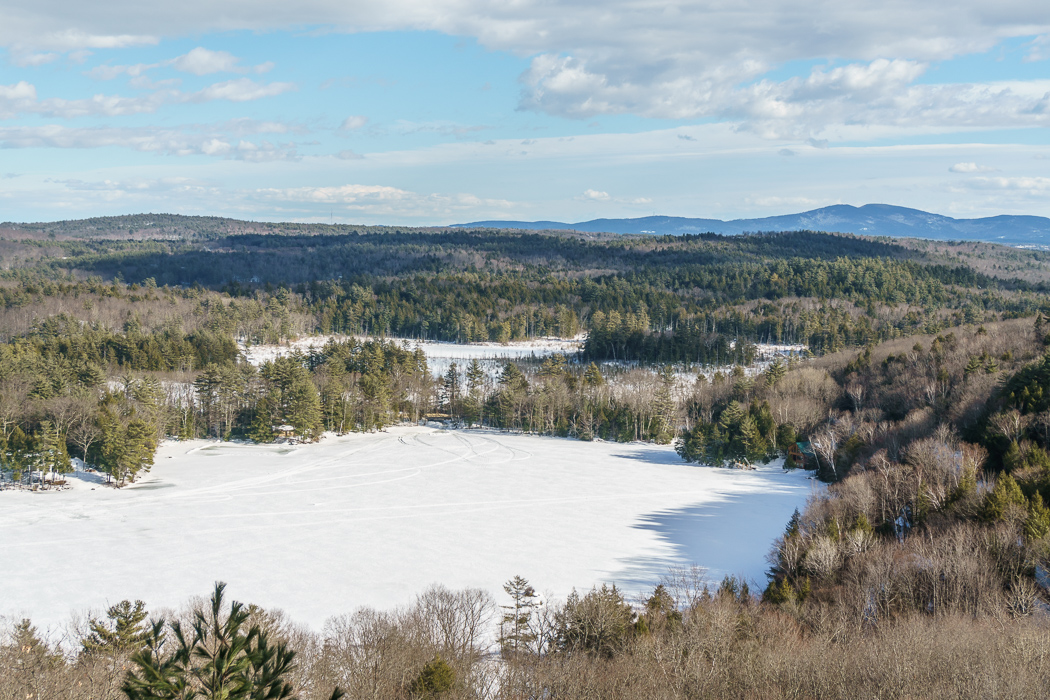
x=373, y=519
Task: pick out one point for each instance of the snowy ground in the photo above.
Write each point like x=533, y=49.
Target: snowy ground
x=440, y=356
x=373, y=519
x=492, y=356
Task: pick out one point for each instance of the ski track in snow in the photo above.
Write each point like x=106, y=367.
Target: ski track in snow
x=374, y=519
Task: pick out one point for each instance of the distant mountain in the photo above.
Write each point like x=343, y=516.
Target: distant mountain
x=870, y=219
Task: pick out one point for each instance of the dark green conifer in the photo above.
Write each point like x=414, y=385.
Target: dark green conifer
x=435, y=679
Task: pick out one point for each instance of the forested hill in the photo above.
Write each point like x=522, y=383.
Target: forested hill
x=653, y=298
x=870, y=219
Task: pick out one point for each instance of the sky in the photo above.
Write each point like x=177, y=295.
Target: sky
x=412, y=112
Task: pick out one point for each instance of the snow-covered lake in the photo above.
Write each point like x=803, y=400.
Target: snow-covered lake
x=373, y=519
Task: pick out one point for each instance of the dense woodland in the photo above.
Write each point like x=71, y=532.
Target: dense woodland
x=925, y=395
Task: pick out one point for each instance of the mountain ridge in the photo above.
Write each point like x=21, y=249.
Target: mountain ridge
x=867, y=220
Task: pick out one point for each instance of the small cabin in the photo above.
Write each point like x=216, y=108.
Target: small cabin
x=802, y=455
x=284, y=431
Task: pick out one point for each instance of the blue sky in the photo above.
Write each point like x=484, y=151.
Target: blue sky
x=458, y=110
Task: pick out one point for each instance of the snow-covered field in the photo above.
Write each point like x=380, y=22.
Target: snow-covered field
x=439, y=355
x=373, y=519
x=492, y=356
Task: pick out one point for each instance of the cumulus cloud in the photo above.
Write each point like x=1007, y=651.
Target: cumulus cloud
x=353, y=122
x=16, y=98
x=673, y=60
x=879, y=93
x=596, y=195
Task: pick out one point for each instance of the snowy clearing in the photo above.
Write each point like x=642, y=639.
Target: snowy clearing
x=540, y=347
x=492, y=356
x=373, y=519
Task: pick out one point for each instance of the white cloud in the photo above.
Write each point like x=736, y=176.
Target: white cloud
x=383, y=200
x=1039, y=49
x=596, y=195
x=198, y=61
x=19, y=93
x=353, y=122
x=201, y=61
x=880, y=93
x=61, y=38
x=108, y=72
x=970, y=167
x=445, y=128
x=241, y=90
x=36, y=59
x=1032, y=185
x=245, y=126
x=660, y=59
x=175, y=142
x=344, y=194
x=21, y=98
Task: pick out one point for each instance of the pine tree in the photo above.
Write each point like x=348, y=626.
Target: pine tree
x=261, y=429
x=515, y=628
x=775, y=372
x=750, y=438
x=303, y=410
x=219, y=658
x=475, y=401
x=1005, y=496
x=125, y=633
x=592, y=377
x=731, y=416
x=1037, y=525
x=553, y=367
x=27, y=643
x=691, y=445
x=140, y=444
x=435, y=679
x=51, y=447
x=779, y=592
x=450, y=387
x=664, y=428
